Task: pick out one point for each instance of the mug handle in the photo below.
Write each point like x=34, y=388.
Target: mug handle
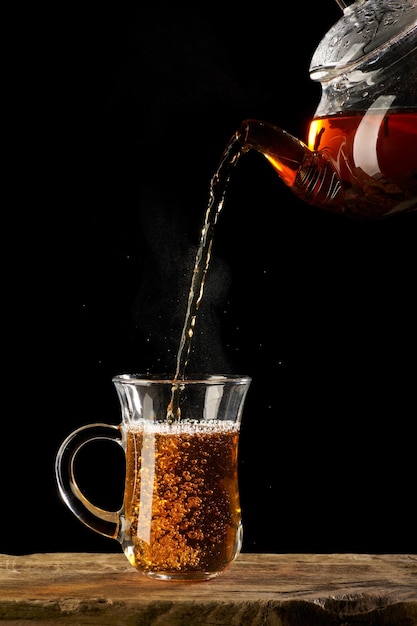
x=104, y=522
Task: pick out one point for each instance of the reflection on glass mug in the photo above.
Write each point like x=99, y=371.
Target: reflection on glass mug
x=180, y=518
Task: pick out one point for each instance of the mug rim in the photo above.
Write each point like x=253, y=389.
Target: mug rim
x=192, y=379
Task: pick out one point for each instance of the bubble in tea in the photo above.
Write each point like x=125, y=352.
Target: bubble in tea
x=182, y=507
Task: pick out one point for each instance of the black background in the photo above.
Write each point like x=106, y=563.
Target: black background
x=118, y=118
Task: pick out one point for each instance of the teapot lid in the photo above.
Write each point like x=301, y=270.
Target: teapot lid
x=358, y=37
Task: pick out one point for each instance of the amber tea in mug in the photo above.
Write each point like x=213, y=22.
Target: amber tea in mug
x=180, y=518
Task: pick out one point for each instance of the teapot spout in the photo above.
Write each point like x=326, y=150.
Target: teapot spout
x=310, y=175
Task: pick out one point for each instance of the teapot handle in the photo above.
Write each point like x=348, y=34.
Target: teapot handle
x=104, y=522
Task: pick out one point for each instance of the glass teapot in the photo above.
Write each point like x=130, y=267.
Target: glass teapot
x=361, y=154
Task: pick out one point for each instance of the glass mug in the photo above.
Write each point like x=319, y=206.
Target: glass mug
x=181, y=517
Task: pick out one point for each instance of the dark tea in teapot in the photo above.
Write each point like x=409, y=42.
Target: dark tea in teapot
x=376, y=157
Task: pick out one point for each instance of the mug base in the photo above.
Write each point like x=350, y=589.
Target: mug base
x=181, y=576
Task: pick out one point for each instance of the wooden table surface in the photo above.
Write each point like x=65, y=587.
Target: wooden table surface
x=257, y=590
